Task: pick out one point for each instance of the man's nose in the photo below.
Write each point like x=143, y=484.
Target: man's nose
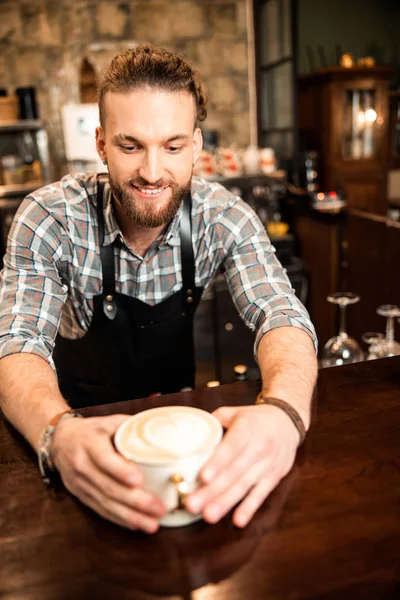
x=151, y=168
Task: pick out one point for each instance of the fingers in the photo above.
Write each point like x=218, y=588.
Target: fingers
x=116, y=512
x=131, y=507
x=249, y=463
x=231, y=448
x=132, y=497
x=76, y=437
x=108, y=483
x=233, y=464
x=221, y=504
x=110, y=462
x=254, y=486
x=228, y=476
x=254, y=499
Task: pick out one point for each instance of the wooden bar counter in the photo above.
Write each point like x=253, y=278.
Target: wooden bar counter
x=331, y=530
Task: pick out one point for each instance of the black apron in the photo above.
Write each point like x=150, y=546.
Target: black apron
x=131, y=349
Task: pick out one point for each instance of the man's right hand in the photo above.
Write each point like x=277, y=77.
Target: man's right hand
x=93, y=471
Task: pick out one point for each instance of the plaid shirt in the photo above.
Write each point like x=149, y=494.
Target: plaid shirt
x=52, y=267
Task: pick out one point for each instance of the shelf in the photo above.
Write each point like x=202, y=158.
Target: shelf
x=21, y=190
x=24, y=125
x=279, y=174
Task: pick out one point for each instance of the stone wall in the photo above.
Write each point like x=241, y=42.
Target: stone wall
x=43, y=43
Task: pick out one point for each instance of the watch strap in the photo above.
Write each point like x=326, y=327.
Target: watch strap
x=61, y=416
x=46, y=465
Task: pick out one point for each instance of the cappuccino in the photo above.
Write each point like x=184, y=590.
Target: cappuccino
x=169, y=433
x=170, y=445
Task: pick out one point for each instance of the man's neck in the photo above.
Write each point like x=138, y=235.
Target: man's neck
x=139, y=239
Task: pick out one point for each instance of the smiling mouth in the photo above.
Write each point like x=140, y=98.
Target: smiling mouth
x=150, y=192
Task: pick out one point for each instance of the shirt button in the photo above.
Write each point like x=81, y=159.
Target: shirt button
x=109, y=298
x=109, y=307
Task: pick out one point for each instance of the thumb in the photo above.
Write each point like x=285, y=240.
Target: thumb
x=225, y=415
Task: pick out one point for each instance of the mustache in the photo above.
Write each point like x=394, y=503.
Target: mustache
x=140, y=182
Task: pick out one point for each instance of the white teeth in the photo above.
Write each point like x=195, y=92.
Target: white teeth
x=152, y=192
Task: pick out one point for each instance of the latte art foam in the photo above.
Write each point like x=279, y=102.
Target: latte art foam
x=169, y=433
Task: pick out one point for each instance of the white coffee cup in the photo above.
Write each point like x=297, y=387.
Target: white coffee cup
x=170, y=445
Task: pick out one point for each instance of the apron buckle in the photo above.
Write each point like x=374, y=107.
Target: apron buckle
x=110, y=308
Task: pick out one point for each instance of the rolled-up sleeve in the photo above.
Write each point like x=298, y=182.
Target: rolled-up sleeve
x=32, y=294
x=259, y=286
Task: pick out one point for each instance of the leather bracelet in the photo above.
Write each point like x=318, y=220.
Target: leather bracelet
x=46, y=465
x=291, y=412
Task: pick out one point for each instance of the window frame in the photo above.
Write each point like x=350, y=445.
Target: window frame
x=265, y=67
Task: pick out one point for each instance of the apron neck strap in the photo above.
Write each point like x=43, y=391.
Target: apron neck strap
x=106, y=252
x=187, y=254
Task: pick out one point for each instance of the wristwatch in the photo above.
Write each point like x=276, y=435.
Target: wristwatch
x=46, y=465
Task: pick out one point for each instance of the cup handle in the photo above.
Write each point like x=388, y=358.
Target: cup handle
x=182, y=489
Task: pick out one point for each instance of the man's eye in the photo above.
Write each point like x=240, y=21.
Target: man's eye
x=174, y=149
x=129, y=148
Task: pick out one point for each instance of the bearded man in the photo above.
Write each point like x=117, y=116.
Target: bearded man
x=101, y=280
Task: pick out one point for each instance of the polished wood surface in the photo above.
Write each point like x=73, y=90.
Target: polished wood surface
x=331, y=530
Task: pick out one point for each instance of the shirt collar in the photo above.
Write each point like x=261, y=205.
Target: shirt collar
x=172, y=235
x=111, y=229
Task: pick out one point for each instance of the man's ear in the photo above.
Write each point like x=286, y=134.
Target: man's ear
x=101, y=144
x=197, y=143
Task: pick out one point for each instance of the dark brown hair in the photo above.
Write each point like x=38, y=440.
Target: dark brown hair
x=154, y=67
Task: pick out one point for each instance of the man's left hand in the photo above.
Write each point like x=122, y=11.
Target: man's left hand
x=257, y=451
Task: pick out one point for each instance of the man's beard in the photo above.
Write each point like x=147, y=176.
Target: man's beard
x=144, y=213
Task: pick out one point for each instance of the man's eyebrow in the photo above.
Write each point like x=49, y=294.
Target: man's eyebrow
x=123, y=137
x=179, y=137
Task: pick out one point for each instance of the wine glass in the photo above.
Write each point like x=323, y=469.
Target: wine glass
x=341, y=349
x=388, y=346
x=373, y=339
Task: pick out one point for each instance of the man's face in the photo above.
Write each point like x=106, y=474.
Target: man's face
x=150, y=145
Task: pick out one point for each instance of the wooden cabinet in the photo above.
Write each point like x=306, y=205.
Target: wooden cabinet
x=344, y=116
x=357, y=252
x=394, y=150
x=394, y=130
x=372, y=266
x=321, y=246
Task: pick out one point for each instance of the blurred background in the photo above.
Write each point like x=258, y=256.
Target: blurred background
x=303, y=123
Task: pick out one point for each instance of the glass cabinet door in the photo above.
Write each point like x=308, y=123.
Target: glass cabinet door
x=359, y=124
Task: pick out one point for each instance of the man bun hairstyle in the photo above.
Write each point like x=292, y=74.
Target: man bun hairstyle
x=154, y=67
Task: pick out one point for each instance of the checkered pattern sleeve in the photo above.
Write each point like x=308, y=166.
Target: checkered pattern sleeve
x=31, y=292
x=258, y=283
